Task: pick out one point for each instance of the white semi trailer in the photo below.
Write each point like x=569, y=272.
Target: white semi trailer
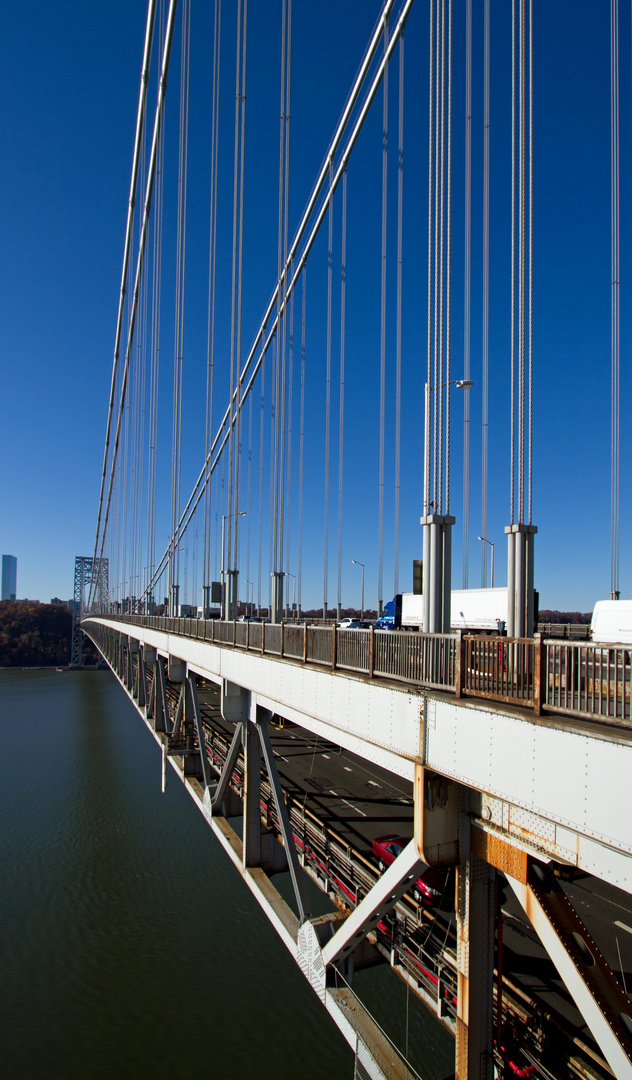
x=612, y=622
x=473, y=610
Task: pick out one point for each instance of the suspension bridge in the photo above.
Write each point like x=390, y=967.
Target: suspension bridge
x=285, y=395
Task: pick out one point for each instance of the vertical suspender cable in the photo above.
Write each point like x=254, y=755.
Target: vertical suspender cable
x=240, y=266
x=398, y=345
x=430, y=260
x=141, y=253
x=380, y=569
x=330, y=258
x=448, y=313
x=530, y=454
x=441, y=263
x=437, y=181
x=260, y=514
x=615, y=364
x=210, y=340
x=513, y=259
x=280, y=308
x=286, y=182
x=467, y=285
x=180, y=267
x=521, y=258
x=485, y=356
x=140, y=122
x=343, y=283
x=299, y=568
x=290, y=433
x=233, y=317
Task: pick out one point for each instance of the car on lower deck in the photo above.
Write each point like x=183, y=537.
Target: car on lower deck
x=430, y=888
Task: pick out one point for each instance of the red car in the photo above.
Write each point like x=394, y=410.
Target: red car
x=430, y=887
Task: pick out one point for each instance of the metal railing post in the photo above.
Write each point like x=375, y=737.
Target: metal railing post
x=234, y=632
x=304, y=643
x=333, y=648
x=459, y=674
x=371, y=650
x=281, y=642
x=538, y=649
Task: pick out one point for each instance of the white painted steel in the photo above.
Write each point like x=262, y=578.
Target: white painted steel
x=380, y=723
x=381, y=1059
x=577, y=780
x=569, y=779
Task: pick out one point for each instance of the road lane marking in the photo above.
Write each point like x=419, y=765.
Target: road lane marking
x=623, y=926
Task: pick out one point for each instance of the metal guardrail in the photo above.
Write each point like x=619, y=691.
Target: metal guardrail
x=500, y=668
x=589, y=680
x=576, y=678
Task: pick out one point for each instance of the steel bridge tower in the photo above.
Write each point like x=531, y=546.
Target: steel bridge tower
x=85, y=575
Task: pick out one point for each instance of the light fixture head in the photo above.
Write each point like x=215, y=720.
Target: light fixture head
x=464, y=384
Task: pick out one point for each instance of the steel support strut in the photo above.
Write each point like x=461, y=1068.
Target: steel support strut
x=192, y=704
x=475, y=963
x=263, y=718
x=590, y=982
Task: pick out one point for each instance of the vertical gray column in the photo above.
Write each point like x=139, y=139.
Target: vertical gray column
x=475, y=912
x=252, y=789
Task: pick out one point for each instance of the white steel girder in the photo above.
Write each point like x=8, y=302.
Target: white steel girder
x=378, y=1056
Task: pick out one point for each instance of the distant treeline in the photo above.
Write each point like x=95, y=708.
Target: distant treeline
x=578, y=617
x=37, y=635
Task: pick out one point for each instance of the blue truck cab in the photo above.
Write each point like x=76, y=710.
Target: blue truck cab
x=388, y=619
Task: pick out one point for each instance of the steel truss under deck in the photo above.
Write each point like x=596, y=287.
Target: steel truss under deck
x=377, y=919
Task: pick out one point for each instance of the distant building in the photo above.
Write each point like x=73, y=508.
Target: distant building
x=9, y=577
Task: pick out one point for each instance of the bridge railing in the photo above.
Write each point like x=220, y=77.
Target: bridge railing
x=572, y=677
x=500, y=668
x=589, y=680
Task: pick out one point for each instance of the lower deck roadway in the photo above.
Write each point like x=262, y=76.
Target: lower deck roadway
x=360, y=801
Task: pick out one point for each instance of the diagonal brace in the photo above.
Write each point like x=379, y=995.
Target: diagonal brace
x=392, y=885
x=229, y=765
x=192, y=695
x=284, y=818
x=589, y=980
x=177, y=723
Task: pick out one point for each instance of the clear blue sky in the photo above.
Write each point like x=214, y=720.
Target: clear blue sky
x=69, y=87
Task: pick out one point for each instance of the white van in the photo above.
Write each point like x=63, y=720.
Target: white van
x=612, y=622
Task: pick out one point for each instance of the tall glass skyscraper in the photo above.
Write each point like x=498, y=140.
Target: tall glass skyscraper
x=9, y=577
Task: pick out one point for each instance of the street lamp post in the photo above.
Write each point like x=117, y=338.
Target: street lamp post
x=356, y=562
x=491, y=544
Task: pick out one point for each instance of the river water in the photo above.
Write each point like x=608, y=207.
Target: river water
x=129, y=946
